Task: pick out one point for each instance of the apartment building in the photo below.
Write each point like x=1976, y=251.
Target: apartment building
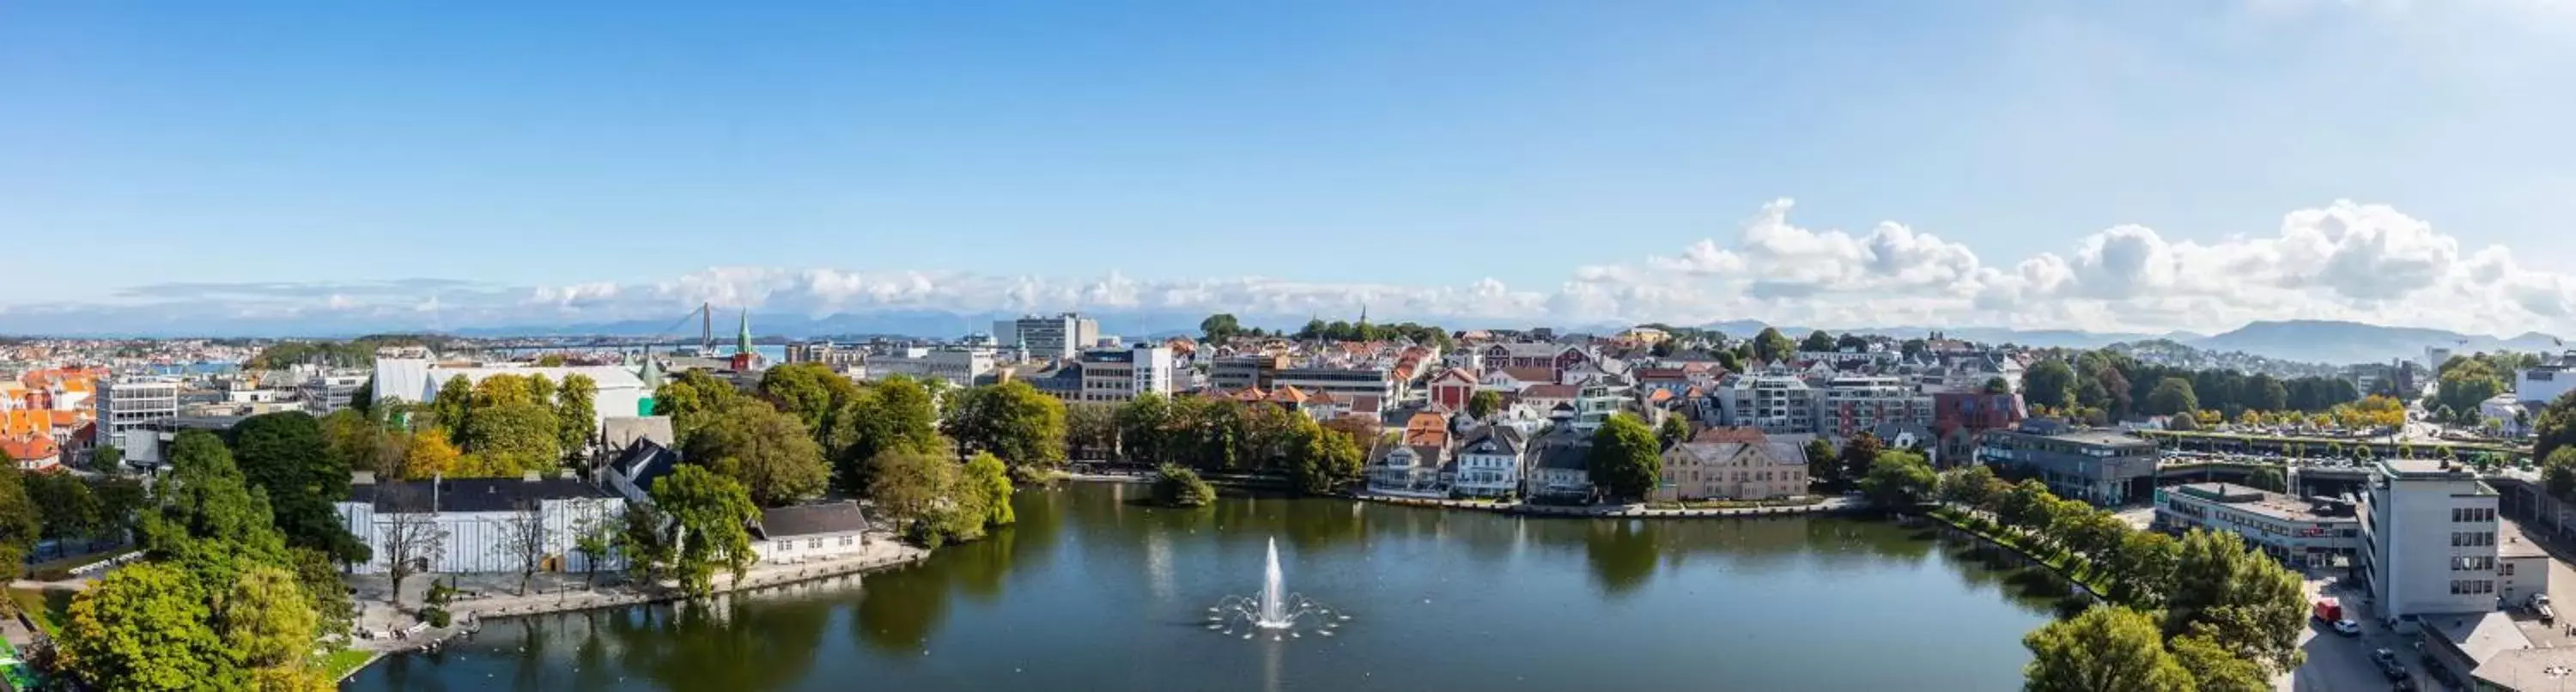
x=958, y=365
x=1855, y=404
x=1778, y=404
x=2429, y=539
x=1765, y=469
x=2296, y=531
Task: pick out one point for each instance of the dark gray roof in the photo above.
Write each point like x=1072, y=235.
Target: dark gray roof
x=469, y=494
x=1505, y=439
x=1563, y=448
x=807, y=520
x=644, y=462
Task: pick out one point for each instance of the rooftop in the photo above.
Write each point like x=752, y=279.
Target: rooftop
x=806, y=520
x=2260, y=501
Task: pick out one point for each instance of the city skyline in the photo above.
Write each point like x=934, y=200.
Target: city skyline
x=2131, y=167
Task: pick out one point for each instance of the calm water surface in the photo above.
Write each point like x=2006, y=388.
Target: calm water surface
x=1094, y=591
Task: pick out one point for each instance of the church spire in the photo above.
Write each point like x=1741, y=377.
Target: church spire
x=742, y=343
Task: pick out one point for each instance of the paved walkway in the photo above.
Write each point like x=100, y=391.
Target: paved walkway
x=496, y=595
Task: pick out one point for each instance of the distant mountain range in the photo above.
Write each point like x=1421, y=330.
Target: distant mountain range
x=2312, y=341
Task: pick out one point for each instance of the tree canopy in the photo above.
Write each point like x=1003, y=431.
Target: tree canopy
x=1898, y=479
x=1323, y=461
x=1013, y=420
x=283, y=454
x=709, y=519
x=1625, y=461
x=2105, y=649
x=768, y=452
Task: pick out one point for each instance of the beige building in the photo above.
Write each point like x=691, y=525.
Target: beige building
x=1766, y=469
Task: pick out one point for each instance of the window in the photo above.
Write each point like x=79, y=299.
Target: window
x=815, y=544
x=2506, y=569
x=786, y=546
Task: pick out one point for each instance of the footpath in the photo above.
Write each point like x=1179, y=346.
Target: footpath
x=1831, y=504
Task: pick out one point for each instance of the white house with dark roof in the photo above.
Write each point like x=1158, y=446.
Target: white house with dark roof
x=1559, y=465
x=1395, y=468
x=820, y=531
x=1489, y=464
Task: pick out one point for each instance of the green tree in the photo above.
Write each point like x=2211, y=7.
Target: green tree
x=768, y=452
x=709, y=516
x=1625, y=462
x=502, y=390
x=576, y=413
x=2268, y=478
x=1178, y=486
x=2466, y=382
x=1673, y=431
x=2241, y=600
x=146, y=627
x=2555, y=428
x=1014, y=421
x=1823, y=465
x=812, y=393
x=2144, y=562
x=1323, y=461
x=1771, y=345
x=318, y=575
x=266, y=621
x=21, y=523
x=1898, y=479
x=1858, y=454
x=907, y=484
x=514, y=436
x=1219, y=328
x=2558, y=473
x=1969, y=486
x=1147, y=429
x=1817, y=341
x=2106, y=649
x=991, y=483
x=2027, y=506
x=541, y=390
x=2049, y=384
x=283, y=455
x=1090, y=431
x=2214, y=669
x=208, y=520
x=893, y=414
x=2172, y=396
x=119, y=499
x=65, y=507
x=1483, y=404
x=454, y=402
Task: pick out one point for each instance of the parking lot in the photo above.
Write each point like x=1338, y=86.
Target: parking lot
x=2337, y=662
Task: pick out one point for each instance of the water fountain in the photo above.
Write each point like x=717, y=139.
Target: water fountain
x=1276, y=611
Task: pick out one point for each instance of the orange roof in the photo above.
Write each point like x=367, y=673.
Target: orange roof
x=1321, y=397
x=24, y=422
x=30, y=448
x=1661, y=396
x=1288, y=394
x=1249, y=394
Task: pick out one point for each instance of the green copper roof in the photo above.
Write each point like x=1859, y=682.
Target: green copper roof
x=742, y=344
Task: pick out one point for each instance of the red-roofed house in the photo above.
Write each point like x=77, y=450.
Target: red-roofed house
x=1452, y=387
x=32, y=453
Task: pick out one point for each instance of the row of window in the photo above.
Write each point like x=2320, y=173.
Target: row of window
x=2471, y=587
x=2472, y=564
x=814, y=544
x=2472, y=538
x=2473, y=514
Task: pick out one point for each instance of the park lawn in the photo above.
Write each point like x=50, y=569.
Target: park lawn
x=341, y=663
x=51, y=609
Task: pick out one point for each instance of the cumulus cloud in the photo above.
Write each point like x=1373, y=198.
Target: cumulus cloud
x=2344, y=260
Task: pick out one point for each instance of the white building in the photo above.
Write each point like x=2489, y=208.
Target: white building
x=1115, y=375
x=325, y=393
x=820, y=531
x=2545, y=383
x=1047, y=338
x=2522, y=567
x=1778, y=404
x=1411, y=470
x=2292, y=530
x=2428, y=534
x=1489, y=464
x=621, y=393
x=958, y=365
x=1341, y=381
x=477, y=519
x=130, y=403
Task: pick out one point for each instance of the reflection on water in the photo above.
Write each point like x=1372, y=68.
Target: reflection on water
x=1095, y=591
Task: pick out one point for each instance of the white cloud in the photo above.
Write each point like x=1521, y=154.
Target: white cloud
x=2344, y=260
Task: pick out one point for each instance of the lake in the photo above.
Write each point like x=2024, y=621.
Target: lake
x=1094, y=590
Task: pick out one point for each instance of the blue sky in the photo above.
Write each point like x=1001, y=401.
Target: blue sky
x=1501, y=160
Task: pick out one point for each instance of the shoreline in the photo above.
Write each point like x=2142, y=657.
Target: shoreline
x=1830, y=504
x=469, y=614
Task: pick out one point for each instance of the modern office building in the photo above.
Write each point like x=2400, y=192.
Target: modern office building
x=2546, y=382
x=129, y=403
x=958, y=365
x=838, y=356
x=2429, y=539
x=1115, y=375
x=328, y=392
x=2296, y=531
x=2103, y=467
x=1049, y=338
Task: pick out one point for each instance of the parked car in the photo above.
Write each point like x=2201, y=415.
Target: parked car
x=2347, y=628
x=2540, y=607
x=2389, y=665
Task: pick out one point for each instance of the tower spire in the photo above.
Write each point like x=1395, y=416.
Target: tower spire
x=742, y=342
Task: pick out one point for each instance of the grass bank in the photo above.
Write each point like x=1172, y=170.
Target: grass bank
x=2066, y=564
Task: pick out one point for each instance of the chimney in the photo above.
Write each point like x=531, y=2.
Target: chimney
x=362, y=478
x=532, y=476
